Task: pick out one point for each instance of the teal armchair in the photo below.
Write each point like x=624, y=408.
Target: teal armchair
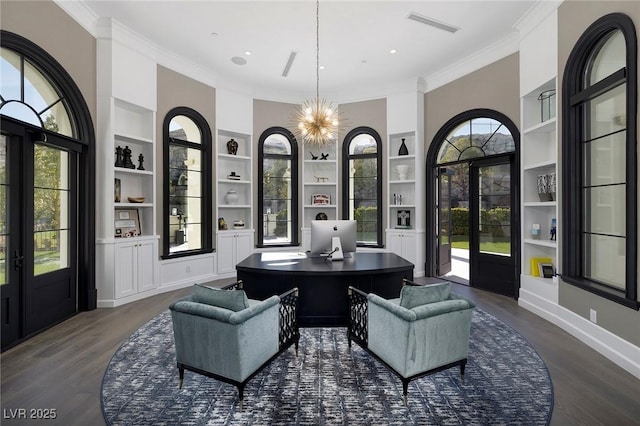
x=424, y=331
x=222, y=334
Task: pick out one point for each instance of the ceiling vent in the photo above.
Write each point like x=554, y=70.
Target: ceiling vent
x=432, y=22
x=287, y=67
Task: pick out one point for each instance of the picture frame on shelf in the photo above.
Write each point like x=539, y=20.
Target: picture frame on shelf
x=320, y=199
x=545, y=270
x=404, y=219
x=127, y=223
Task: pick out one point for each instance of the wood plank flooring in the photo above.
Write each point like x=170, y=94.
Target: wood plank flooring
x=62, y=368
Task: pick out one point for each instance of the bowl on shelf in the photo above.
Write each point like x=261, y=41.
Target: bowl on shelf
x=136, y=199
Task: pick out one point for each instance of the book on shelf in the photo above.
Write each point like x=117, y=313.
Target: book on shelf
x=545, y=270
x=535, y=264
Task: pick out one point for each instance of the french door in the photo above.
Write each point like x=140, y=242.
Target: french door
x=493, y=224
x=443, y=220
x=38, y=231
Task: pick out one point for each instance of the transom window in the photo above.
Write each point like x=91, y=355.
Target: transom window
x=27, y=94
x=362, y=189
x=187, y=188
x=599, y=161
x=475, y=138
x=277, y=188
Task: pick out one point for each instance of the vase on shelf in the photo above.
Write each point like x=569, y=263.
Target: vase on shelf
x=232, y=147
x=231, y=197
x=543, y=188
x=403, y=149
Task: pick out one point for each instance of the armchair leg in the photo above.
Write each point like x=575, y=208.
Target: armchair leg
x=181, y=373
x=405, y=390
x=240, y=395
x=463, y=364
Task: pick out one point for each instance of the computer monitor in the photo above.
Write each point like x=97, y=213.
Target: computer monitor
x=322, y=232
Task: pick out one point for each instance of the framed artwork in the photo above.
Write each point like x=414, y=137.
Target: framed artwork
x=321, y=199
x=404, y=219
x=127, y=223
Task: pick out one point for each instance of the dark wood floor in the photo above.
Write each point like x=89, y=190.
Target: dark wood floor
x=62, y=368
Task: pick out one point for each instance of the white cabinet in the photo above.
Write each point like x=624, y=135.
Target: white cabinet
x=233, y=246
x=539, y=151
x=135, y=266
x=403, y=243
x=234, y=178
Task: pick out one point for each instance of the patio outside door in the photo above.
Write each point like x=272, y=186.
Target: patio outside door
x=443, y=233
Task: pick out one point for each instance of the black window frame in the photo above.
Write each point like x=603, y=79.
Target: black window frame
x=575, y=92
x=293, y=158
x=206, y=185
x=346, y=158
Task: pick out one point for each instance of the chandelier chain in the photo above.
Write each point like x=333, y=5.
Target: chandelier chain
x=317, y=51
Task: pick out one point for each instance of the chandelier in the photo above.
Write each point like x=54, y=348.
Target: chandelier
x=317, y=119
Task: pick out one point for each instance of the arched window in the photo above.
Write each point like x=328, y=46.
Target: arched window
x=599, y=154
x=362, y=184
x=277, y=188
x=187, y=185
x=28, y=95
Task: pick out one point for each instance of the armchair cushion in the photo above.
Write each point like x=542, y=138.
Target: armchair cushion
x=412, y=296
x=234, y=300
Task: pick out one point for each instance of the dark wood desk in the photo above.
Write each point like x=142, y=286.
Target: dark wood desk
x=323, y=284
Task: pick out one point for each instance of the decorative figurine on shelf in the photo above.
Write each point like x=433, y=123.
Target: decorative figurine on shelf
x=553, y=230
x=403, y=149
x=232, y=147
x=127, y=158
x=140, y=162
x=222, y=225
x=324, y=156
x=119, y=155
x=313, y=157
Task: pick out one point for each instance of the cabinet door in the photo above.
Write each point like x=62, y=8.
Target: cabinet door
x=244, y=247
x=146, y=254
x=409, y=249
x=226, y=253
x=126, y=273
x=394, y=242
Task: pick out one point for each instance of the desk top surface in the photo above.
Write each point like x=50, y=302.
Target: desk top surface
x=300, y=263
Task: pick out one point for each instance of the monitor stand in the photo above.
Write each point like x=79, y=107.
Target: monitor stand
x=336, y=253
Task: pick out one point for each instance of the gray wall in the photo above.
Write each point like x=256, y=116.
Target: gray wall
x=573, y=19
x=47, y=25
x=177, y=90
x=496, y=86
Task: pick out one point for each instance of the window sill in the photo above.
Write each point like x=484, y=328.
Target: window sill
x=186, y=253
x=617, y=296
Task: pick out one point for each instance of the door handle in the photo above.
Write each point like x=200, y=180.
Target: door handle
x=17, y=260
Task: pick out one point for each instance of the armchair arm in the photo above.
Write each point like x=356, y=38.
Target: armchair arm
x=186, y=306
x=289, y=331
x=455, y=296
x=399, y=311
x=243, y=315
x=439, y=308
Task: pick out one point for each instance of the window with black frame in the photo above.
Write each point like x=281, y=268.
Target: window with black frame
x=362, y=184
x=599, y=161
x=187, y=189
x=277, y=188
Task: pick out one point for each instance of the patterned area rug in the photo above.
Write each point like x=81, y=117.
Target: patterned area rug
x=506, y=383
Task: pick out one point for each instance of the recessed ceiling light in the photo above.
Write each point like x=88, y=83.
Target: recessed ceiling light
x=238, y=60
x=393, y=51
x=247, y=52
x=321, y=67
x=214, y=34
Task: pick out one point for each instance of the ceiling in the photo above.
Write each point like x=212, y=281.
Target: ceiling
x=356, y=38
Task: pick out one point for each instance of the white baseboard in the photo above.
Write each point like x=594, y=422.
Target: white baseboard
x=617, y=350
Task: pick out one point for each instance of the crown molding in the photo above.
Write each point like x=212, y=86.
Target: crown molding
x=535, y=15
x=492, y=53
x=81, y=13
